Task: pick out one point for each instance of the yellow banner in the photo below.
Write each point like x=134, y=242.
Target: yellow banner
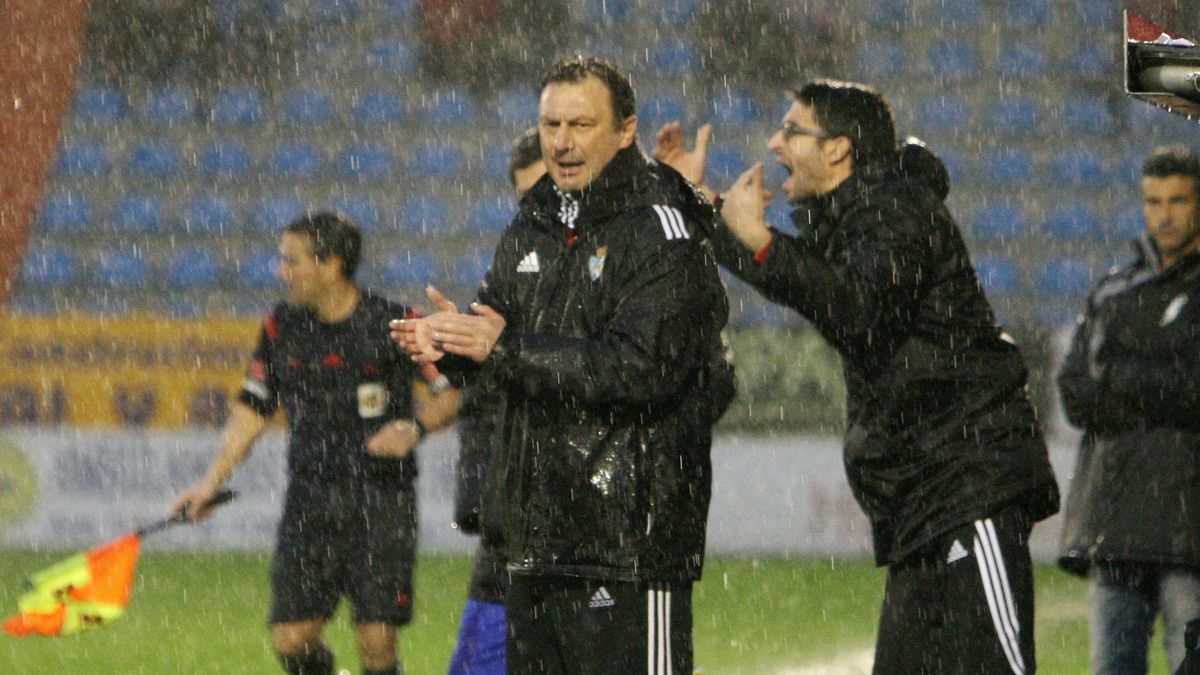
x=150, y=371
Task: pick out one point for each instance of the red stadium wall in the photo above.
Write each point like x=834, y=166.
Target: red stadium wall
x=39, y=52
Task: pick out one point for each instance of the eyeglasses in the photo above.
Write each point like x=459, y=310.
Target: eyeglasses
x=791, y=129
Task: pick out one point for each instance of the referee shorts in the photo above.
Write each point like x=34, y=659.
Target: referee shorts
x=357, y=542
x=576, y=626
x=964, y=605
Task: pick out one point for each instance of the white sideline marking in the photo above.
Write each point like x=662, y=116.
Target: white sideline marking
x=855, y=663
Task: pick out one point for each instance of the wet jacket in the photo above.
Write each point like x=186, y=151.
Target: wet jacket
x=607, y=365
x=940, y=430
x=1132, y=382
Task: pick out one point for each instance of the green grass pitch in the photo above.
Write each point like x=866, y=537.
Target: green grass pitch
x=206, y=613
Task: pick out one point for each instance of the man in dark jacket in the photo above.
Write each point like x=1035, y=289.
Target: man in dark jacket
x=1130, y=382
x=942, y=448
x=600, y=317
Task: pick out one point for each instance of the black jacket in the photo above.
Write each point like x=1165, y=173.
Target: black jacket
x=940, y=429
x=1132, y=382
x=607, y=365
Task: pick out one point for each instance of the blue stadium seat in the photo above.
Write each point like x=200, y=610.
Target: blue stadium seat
x=296, y=160
x=209, y=213
x=378, y=106
x=441, y=160
x=959, y=11
x=998, y=276
x=226, y=159
x=396, y=10
x=1090, y=61
x=1007, y=168
x=1027, y=12
x=119, y=268
x=517, y=106
x=49, y=267
x=945, y=113
x=366, y=161
x=139, y=213
x=169, y=106
x=495, y=160
x=273, y=212
x=256, y=270
x=1079, y=169
x=1015, y=115
x=361, y=209
x=308, y=107
x=238, y=107
x=1131, y=222
x=610, y=10
x=1073, y=222
x=154, y=159
x=952, y=60
x=955, y=166
x=725, y=164
x=733, y=108
x=1063, y=276
x=1084, y=115
x=675, y=11
x=1002, y=222
x=425, y=215
x=779, y=213
x=394, y=56
x=492, y=214
x=334, y=11
x=655, y=111
x=192, y=270
x=673, y=60
x=892, y=12
x=879, y=58
x=448, y=107
x=1100, y=14
x=1024, y=59
x=470, y=267
x=409, y=268
x=65, y=211
x=100, y=105
x=83, y=159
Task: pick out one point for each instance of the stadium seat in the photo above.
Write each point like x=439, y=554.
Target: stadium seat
x=209, y=214
x=448, y=107
x=361, y=209
x=100, y=105
x=1027, y=12
x=397, y=57
x=378, y=106
x=84, y=159
x=955, y=166
x=155, y=159
x=1073, y=222
x=959, y=11
x=440, y=160
x=495, y=159
x=193, y=269
x=65, y=211
x=1100, y=14
x=655, y=111
x=952, y=60
x=139, y=213
x=409, y=269
x=470, y=267
x=733, y=108
x=168, y=106
x=1131, y=222
x=1007, y=168
x=307, y=107
x=272, y=213
x=256, y=271
x=945, y=113
x=334, y=11
x=880, y=58
x=1089, y=61
x=396, y=10
x=725, y=165
x=1063, y=277
x=1087, y=115
x=366, y=161
x=673, y=60
x=888, y=12
x=675, y=12
x=49, y=267
x=226, y=159
x=1079, y=169
x=1015, y=115
x=492, y=214
x=517, y=106
x=1024, y=60
x=296, y=160
x=237, y=107
x=119, y=268
x=609, y=10
x=1000, y=222
x=998, y=276
x=424, y=215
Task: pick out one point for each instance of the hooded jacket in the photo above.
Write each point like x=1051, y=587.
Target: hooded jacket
x=613, y=369
x=940, y=430
x=1132, y=382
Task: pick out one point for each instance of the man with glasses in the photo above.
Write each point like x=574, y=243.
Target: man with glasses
x=942, y=448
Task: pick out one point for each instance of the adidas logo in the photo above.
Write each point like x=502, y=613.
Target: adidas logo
x=957, y=552
x=601, y=598
x=529, y=263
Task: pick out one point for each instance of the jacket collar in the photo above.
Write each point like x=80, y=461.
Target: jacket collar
x=625, y=183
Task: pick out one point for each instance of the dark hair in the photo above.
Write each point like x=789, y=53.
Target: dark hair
x=577, y=69
x=1173, y=160
x=853, y=110
x=526, y=151
x=330, y=235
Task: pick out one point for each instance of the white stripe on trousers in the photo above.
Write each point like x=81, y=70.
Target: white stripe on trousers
x=999, y=594
x=658, y=632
